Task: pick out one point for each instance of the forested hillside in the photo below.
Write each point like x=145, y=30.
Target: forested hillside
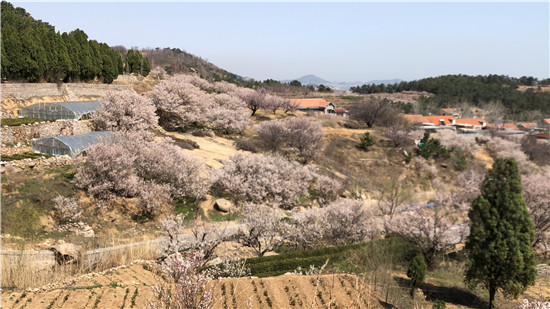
x=477, y=90
x=33, y=51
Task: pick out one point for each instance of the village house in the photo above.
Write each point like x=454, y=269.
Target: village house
x=341, y=112
x=527, y=126
x=316, y=105
x=470, y=124
x=441, y=120
x=450, y=111
x=545, y=124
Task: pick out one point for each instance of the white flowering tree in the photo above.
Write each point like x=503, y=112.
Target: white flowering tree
x=125, y=111
x=265, y=178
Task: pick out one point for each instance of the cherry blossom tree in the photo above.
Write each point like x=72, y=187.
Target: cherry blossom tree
x=135, y=165
x=186, y=286
x=503, y=148
x=262, y=228
x=432, y=230
x=265, y=178
x=66, y=208
x=254, y=100
x=125, y=111
x=344, y=221
x=184, y=102
x=296, y=137
x=536, y=191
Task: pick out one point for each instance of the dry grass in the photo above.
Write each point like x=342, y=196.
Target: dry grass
x=27, y=271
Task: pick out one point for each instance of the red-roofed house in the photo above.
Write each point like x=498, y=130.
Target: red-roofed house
x=416, y=119
x=527, y=125
x=471, y=123
x=313, y=105
x=545, y=123
x=441, y=120
x=341, y=112
x=450, y=111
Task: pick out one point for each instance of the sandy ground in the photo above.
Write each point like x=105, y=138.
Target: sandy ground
x=213, y=150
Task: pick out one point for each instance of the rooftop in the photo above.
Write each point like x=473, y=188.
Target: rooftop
x=309, y=103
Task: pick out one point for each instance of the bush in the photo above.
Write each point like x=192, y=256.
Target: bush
x=25, y=155
x=438, y=304
x=66, y=209
x=11, y=122
x=428, y=147
x=366, y=141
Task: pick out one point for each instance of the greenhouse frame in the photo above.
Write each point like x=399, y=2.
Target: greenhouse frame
x=70, y=145
x=60, y=110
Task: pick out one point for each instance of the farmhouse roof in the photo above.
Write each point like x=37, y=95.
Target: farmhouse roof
x=471, y=121
x=416, y=118
x=547, y=120
x=527, y=125
x=440, y=120
x=309, y=103
x=339, y=110
x=449, y=110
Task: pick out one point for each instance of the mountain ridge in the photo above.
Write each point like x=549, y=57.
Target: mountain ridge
x=312, y=79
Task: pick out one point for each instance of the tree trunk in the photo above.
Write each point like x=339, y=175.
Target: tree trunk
x=492, y=291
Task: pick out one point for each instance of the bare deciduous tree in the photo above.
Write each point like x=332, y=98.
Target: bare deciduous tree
x=536, y=191
x=370, y=111
x=393, y=198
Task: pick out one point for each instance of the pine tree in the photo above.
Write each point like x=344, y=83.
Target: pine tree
x=417, y=271
x=501, y=234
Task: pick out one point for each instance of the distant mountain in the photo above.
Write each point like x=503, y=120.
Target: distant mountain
x=315, y=80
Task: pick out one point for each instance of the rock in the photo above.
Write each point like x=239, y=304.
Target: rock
x=346, y=194
x=224, y=205
x=215, y=261
x=444, y=165
x=66, y=253
x=85, y=230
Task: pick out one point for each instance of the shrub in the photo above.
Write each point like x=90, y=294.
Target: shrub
x=66, y=209
x=25, y=155
x=10, y=122
x=366, y=141
x=125, y=111
x=417, y=271
x=428, y=147
x=261, y=178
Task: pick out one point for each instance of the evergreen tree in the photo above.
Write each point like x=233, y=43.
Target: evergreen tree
x=417, y=271
x=501, y=234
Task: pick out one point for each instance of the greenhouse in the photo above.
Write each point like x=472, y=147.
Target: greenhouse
x=60, y=110
x=70, y=145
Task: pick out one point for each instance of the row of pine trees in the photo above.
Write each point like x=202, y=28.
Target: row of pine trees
x=33, y=51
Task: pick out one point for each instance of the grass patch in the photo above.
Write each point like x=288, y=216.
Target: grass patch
x=189, y=207
x=352, y=97
x=214, y=215
x=11, y=122
x=25, y=155
x=28, y=195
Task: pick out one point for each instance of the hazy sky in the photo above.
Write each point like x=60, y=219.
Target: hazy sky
x=336, y=41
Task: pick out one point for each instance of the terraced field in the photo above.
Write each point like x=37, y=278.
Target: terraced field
x=131, y=288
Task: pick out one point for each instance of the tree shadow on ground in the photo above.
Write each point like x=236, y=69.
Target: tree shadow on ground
x=451, y=295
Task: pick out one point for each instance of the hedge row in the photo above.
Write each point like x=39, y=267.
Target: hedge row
x=26, y=155
x=19, y=121
x=279, y=264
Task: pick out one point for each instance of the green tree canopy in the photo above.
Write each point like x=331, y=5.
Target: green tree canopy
x=501, y=234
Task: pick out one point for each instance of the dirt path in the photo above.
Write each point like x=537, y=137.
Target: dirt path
x=213, y=150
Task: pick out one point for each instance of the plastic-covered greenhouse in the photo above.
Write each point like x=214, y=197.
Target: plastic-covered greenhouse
x=70, y=145
x=60, y=110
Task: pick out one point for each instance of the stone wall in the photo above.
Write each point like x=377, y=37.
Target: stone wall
x=24, y=164
x=72, y=91
x=25, y=133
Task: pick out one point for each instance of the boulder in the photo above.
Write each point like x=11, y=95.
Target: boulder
x=224, y=205
x=66, y=253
